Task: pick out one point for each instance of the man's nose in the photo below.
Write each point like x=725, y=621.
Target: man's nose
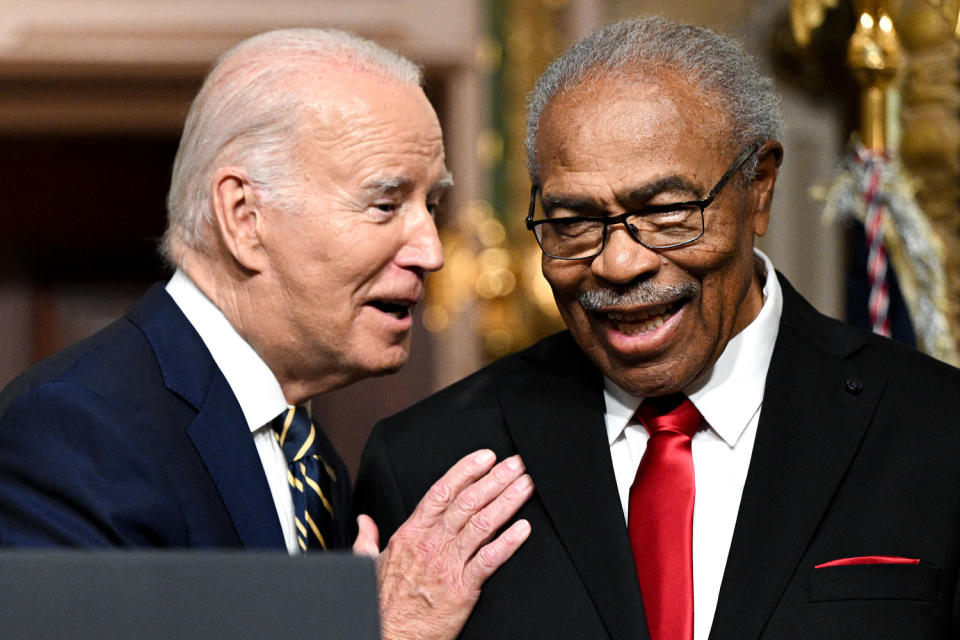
x=624, y=259
x=422, y=249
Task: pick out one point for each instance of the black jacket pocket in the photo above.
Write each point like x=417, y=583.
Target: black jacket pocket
x=874, y=582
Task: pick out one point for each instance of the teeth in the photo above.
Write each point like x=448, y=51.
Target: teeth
x=633, y=324
x=636, y=328
x=630, y=317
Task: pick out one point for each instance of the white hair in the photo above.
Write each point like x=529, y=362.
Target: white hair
x=249, y=112
x=714, y=64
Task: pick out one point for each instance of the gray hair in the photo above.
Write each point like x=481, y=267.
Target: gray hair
x=714, y=64
x=248, y=113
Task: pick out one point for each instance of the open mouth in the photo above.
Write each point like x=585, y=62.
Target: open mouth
x=639, y=322
x=398, y=310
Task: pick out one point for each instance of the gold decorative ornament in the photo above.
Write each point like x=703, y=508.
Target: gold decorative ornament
x=913, y=41
x=876, y=59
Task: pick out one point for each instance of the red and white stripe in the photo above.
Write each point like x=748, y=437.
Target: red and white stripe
x=877, y=263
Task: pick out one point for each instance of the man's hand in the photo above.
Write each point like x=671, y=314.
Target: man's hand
x=432, y=569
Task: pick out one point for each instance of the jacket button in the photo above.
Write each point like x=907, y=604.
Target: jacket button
x=853, y=385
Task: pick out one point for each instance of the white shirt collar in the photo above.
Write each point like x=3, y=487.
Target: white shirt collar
x=731, y=392
x=257, y=390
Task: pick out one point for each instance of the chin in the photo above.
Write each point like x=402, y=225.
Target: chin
x=641, y=378
x=386, y=369
x=386, y=362
x=640, y=386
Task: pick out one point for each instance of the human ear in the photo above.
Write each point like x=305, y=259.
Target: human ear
x=237, y=216
x=769, y=158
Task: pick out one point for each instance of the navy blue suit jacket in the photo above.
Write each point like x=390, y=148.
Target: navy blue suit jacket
x=134, y=438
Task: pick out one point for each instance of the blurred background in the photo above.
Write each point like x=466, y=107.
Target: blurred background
x=93, y=94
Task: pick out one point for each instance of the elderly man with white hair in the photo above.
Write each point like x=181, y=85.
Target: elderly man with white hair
x=301, y=230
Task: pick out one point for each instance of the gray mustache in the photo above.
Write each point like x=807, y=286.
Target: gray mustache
x=644, y=292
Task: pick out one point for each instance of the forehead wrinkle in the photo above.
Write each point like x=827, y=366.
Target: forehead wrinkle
x=385, y=135
x=376, y=155
x=354, y=120
x=376, y=149
x=382, y=138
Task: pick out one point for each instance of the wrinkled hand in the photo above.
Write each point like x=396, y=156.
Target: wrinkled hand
x=432, y=569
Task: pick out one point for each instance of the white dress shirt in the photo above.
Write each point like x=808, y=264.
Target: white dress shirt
x=729, y=397
x=256, y=388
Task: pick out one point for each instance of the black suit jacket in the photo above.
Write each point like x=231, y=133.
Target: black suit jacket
x=134, y=438
x=857, y=454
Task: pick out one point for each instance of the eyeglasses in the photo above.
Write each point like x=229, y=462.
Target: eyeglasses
x=662, y=226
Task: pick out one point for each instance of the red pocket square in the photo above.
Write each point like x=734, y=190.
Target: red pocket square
x=868, y=560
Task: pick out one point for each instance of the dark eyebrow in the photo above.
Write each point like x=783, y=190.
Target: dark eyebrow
x=641, y=193
x=668, y=183
x=572, y=203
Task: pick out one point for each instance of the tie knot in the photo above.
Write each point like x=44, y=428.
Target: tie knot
x=295, y=432
x=673, y=413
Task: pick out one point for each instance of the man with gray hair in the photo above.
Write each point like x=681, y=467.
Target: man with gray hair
x=301, y=229
x=713, y=457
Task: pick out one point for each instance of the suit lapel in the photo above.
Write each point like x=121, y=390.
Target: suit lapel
x=219, y=431
x=223, y=441
x=555, y=416
x=816, y=409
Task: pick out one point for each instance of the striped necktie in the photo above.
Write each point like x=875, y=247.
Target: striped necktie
x=310, y=478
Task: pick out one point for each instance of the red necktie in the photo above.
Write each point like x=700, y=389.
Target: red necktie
x=661, y=516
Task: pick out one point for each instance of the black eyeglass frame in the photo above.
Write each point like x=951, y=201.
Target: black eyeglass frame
x=622, y=218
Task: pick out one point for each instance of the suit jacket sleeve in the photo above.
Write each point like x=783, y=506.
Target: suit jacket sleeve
x=63, y=453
